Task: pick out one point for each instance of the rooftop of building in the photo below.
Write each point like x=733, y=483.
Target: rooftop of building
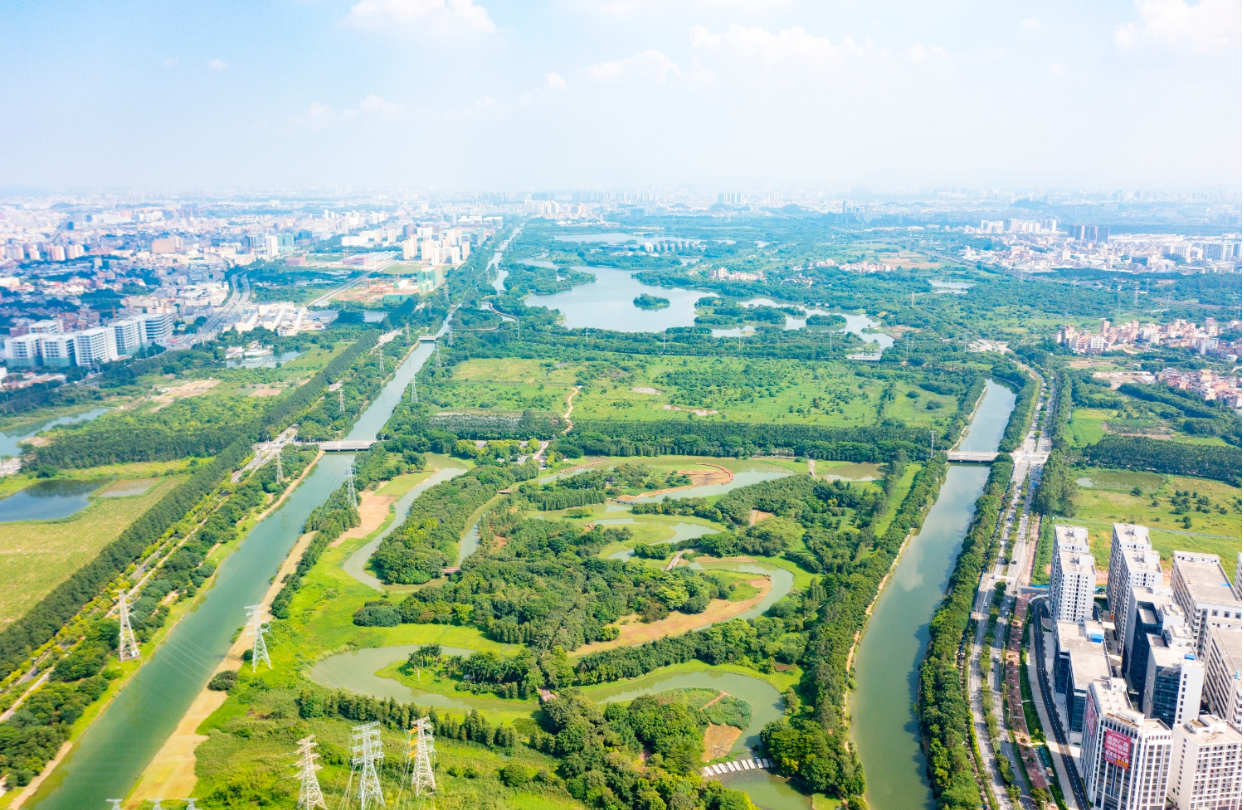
x=1131, y=533
x=1083, y=643
x=1210, y=729
x=1070, y=537
x=1111, y=695
x=1204, y=577
x=1076, y=562
x=1229, y=643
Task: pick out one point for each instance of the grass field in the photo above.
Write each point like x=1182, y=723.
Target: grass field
x=772, y=391
x=1110, y=500
x=36, y=556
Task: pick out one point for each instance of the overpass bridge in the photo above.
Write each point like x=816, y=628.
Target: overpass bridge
x=971, y=456
x=346, y=446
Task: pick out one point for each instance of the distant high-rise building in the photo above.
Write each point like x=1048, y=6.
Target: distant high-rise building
x=157, y=327
x=128, y=336
x=23, y=350
x=57, y=350
x=1205, y=765
x=96, y=345
x=1133, y=563
x=1072, y=576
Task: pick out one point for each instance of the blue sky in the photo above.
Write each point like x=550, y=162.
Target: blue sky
x=620, y=93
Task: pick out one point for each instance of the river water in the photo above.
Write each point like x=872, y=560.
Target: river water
x=112, y=754
x=887, y=663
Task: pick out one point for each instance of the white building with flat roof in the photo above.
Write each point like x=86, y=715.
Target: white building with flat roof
x=1127, y=765
x=1133, y=563
x=1072, y=575
x=1208, y=598
x=1174, y=677
x=97, y=345
x=1222, y=675
x=1205, y=765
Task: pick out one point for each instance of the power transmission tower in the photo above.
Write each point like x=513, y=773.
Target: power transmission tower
x=354, y=501
x=309, y=794
x=438, y=355
x=449, y=333
x=280, y=474
x=341, y=400
x=128, y=644
x=368, y=750
x=382, y=362
x=414, y=391
x=421, y=748
x=259, y=652
x=931, y=444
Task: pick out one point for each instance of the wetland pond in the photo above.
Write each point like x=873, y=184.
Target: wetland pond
x=47, y=500
x=9, y=439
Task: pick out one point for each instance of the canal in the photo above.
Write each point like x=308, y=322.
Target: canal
x=109, y=758
x=887, y=663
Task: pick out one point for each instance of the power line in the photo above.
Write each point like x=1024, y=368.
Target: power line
x=258, y=628
x=128, y=644
x=309, y=794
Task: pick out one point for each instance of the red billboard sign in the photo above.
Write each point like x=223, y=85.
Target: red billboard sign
x=1117, y=748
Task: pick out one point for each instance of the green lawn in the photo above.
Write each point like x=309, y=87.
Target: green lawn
x=761, y=390
x=36, y=556
x=1110, y=500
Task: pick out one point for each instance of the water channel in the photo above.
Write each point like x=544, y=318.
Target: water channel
x=887, y=663
x=110, y=757
x=9, y=439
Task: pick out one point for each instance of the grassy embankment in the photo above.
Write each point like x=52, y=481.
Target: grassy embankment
x=36, y=556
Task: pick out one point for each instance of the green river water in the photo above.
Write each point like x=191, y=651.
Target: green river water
x=110, y=757
x=887, y=663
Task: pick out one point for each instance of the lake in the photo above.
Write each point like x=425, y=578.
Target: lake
x=47, y=500
x=609, y=304
x=9, y=440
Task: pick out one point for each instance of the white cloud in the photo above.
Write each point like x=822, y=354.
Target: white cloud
x=791, y=46
x=1032, y=24
x=425, y=16
x=919, y=53
x=1057, y=71
x=317, y=116
x=1209, y=25
x=554, y=81
x=651, y=64
x=218, y=64
x=377, y=105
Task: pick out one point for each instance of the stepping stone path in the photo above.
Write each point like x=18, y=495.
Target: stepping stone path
x=751, y=764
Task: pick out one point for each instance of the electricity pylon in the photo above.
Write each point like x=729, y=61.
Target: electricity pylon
x=421, y=747
x=368, y=750
x=280, y=474
x=354, y=501
x=128, y=647
x=341, y=400
x=414, y=391
x=309, y=794
x=259, y=652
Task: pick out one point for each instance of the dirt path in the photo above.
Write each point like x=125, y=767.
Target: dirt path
x=570, y=408
x=714, y=700
x=373, y=509
x=171, y=772
x=718, y=610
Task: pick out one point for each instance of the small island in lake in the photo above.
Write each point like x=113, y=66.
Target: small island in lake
x=646, y=301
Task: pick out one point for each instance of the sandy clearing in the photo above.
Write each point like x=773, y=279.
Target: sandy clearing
x=373, y=509
x=675, y=624
x=171, y=772
x=757, y=516
x=699, y=478
x=718, y=740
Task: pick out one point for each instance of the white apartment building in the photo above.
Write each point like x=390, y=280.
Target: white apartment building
x=1208, y=598
x=1072, y=576
x=57, y=350
x=1133, y=563
x=1205, y=765
x=1105, y=695
x=1222, y=675
x=23, y=350
x=128, y=335
x=1127, y=764
x=97, y=345
x=157, y=326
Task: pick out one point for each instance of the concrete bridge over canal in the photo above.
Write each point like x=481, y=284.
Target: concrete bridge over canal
x=971, y=456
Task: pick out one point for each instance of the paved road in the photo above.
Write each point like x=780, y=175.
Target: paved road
x=1040, y=606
